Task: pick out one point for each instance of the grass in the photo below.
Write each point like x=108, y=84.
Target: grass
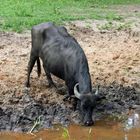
x=17, y=15
x=110, y=26
x=65, y=133
x=37, y=123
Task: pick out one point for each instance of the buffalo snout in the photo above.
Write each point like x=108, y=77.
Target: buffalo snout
x=89, y=123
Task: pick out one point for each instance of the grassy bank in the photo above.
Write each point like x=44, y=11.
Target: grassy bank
x=18, y=15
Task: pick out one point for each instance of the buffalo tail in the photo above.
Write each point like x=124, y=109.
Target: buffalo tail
x=38, y=67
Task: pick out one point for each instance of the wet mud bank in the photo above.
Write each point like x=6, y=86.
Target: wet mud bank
x=23, y=115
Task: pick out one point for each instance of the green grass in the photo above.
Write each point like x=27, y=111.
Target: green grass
x=17, y=15
x=114, y=2
x=65, y=133
x=111, y=26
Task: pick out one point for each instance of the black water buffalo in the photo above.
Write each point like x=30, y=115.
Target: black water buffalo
x=63, y=57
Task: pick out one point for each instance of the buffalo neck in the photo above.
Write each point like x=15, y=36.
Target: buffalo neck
x=84, y=78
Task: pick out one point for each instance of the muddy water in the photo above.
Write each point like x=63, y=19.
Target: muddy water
x=103, y=130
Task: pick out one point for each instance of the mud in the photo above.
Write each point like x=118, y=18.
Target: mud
x=22, y=116
x=114, y=62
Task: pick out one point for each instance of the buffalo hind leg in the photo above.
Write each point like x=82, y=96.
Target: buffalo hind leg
x=30, y=67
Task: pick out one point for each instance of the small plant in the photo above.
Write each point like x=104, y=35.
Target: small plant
x=112, y=16
x=89, y=133
x=106, y=26
x=36, y=124
x=88, y=26
x=123, y=26
x=113, y=26
x=66, y=134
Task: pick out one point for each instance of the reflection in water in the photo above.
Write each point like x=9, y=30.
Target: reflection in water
x=103, y=130
x=125, y=137
x=132, y=121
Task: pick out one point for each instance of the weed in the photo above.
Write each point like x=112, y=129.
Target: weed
x=106, y=26
x=66, y=134
x=112, y=26
x=123, y=26
x=36, y=123
x=89, y=133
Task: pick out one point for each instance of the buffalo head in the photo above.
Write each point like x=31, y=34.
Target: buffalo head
x=88, y=102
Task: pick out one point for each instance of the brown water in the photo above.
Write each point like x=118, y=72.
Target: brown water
x=103, y=130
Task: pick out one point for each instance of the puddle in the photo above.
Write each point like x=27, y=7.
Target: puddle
x=102, y=130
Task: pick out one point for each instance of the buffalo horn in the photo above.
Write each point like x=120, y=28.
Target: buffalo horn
x=77, y=94
x=97, y=90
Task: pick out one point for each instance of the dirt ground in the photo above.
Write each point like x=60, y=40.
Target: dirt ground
x=113, y=56
x=114, y=62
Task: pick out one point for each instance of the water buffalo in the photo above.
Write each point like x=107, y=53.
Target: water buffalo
x=63, y=57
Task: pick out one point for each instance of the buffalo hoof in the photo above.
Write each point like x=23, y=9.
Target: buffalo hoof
x=52, y=85
x=69, y=98
x=66, y=98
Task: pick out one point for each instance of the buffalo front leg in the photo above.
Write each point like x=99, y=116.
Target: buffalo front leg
x=70, y=95
x=70, y=91
x=49, y=78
